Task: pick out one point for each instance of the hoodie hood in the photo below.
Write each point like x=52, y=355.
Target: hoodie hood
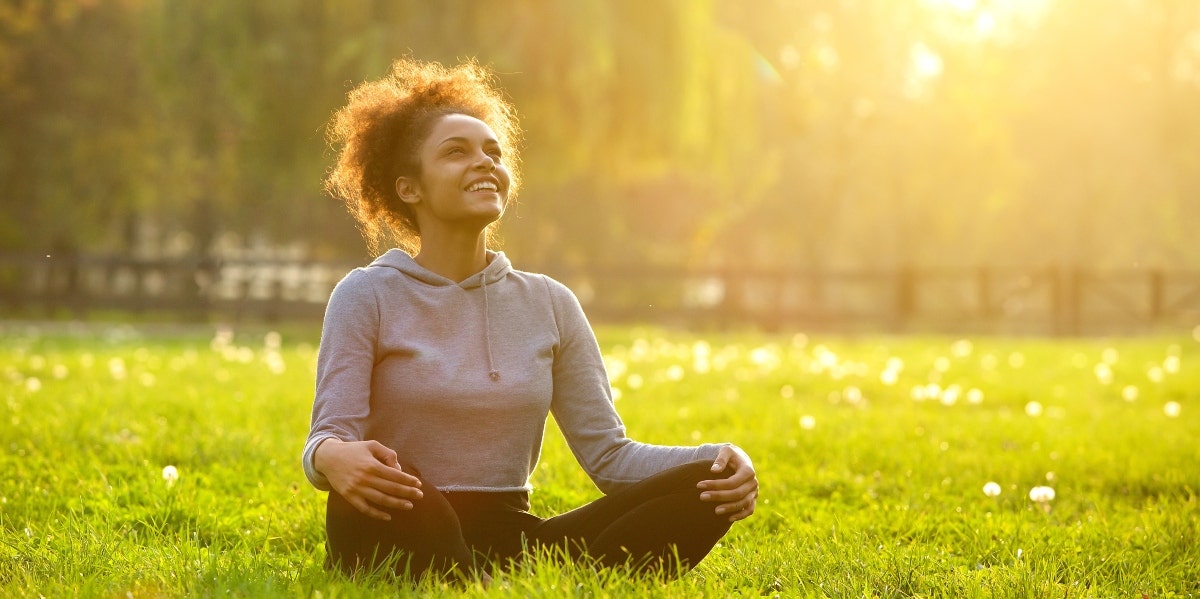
x=498, y=266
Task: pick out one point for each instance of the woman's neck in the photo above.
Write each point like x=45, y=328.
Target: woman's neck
x=453, y=257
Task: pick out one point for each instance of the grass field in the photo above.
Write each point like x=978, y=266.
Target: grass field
x=164, y=462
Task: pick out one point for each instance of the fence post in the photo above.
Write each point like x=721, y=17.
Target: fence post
x=1075, y=282
x=906, y=296
x=1157, y=282
x=140, y=299
x=984, y=279
x=1058, y=300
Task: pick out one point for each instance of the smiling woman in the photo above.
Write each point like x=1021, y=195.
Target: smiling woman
x=440, y=363
x=462, y=186
x=381, y=132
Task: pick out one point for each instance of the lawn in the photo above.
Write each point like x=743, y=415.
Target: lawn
x=161, y=461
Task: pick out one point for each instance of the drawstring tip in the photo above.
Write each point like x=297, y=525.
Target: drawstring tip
x=495, y=375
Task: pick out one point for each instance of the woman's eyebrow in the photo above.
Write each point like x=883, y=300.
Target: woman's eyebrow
x=460, y=139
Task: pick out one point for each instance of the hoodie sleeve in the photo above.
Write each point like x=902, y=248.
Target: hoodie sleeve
x=344, y=362
x=583, y=407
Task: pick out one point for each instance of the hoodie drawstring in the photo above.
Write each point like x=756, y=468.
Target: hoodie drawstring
x=487, y=330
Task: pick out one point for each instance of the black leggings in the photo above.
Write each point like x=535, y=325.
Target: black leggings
x=658, y=526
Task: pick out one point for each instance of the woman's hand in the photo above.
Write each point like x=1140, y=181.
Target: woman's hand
x=737, y=494
x=368, y=475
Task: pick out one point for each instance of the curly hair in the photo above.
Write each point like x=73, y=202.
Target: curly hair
x=378, y=134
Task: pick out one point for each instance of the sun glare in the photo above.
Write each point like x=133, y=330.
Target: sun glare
x=979, y=21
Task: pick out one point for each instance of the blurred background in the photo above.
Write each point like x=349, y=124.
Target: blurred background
x=1002, y=165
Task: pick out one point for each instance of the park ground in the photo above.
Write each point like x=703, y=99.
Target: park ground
x=164, y=461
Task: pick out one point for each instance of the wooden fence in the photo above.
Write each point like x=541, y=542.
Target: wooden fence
x=1048, y=300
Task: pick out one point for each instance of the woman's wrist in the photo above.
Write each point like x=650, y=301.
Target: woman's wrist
x=317, y=454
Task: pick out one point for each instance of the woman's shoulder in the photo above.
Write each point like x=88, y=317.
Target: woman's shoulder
x=356, y=278
x=556, y=288
x=356, y=286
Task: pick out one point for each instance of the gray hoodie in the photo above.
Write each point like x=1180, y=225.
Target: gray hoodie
x=458, y=378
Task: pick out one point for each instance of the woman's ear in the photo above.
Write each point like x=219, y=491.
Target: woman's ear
x=407, y=190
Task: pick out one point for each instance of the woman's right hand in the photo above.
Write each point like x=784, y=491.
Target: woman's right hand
x=368, y=475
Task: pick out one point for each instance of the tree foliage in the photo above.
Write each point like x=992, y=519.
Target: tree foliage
x=779, y=132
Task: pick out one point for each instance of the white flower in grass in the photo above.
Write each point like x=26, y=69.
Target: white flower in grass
x=975, y=396
x=933, y=391
x=1129, y=393
x=275, y=362
x=1155, y=374
x=675, y=373
x=1172, y=409
x=1171, y=364
x=1041, y=494
x=889, y=377
x=33, y=384
x=853, y=395
x=634, y=381
x=950, y=395
x=808, y=422
x=1033, y=408
x=991, y=489
x=170, y=474
x=222, y=339
x=116, y=367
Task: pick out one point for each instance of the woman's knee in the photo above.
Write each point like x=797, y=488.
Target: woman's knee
x=687, y=476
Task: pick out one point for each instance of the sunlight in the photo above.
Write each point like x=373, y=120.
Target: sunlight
x=970, y=20
x=1022, y=9
x=927, y=63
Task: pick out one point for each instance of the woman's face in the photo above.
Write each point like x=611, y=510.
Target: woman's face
x=463, y=182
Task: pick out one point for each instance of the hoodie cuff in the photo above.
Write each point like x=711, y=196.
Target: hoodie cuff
x=317, y=479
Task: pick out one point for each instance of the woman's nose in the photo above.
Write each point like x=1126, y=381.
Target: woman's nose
x=485, y=161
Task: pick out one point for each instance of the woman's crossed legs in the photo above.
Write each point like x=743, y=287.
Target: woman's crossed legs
x=658, y=525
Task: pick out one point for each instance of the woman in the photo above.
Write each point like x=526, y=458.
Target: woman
x=439, y=365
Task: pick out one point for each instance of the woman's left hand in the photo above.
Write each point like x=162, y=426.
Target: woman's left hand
x=737, y=494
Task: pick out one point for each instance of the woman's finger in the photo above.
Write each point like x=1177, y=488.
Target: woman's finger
x=730, y=495
x=389, y=500
x=397, y=490
x=367, y=509
x=740, y=478
x=744, y=513
x=739, y=509
x=395, y=476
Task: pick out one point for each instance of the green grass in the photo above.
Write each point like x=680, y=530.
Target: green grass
x=866, y=491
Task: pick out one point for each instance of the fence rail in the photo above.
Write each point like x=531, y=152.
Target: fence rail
x=1044, y=300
